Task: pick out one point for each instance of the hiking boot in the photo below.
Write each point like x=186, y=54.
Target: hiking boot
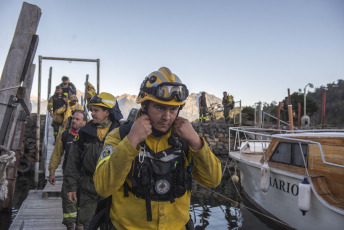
x=79, y=226
x=71, y=226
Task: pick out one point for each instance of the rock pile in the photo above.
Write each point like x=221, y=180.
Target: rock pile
x=29, y=144
x=216, y=135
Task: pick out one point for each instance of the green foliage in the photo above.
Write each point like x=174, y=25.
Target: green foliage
x=249, y=113
x=334, y=104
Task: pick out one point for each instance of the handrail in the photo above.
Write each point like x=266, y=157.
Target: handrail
x=238, y=130
x=265, y=113
x=46, y=138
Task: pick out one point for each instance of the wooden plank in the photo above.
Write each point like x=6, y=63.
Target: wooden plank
x=52, y=190
x=38, y=213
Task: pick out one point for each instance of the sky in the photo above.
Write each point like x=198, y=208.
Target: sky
x=253, y=49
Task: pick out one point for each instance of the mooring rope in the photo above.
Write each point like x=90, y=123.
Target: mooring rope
x=234, y=201
x=244, y=206
x=7, y=159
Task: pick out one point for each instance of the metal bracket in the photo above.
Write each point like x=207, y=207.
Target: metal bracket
x=20, y=96
x=12, y=103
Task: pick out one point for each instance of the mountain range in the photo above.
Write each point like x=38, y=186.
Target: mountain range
x=126, y=102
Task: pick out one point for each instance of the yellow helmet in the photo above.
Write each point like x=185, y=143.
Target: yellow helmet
x=164, y=87
x=73, y=98
x=106, y=100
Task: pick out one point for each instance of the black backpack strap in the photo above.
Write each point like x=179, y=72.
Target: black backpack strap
x=64, y=137
x=125, y=129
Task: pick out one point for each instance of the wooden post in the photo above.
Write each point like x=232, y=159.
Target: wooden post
x=290, y=112
x=299, y=115
x=289, y=97
x=279, y=114
x=16, y=70
x=98, y=68
x=18, y=61
x=323, y=109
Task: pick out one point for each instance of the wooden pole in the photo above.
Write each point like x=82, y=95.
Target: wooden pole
x=323, y=109
x=18, y=63
x=289, y=97
x=299, y=115
x=98, y=75
x=290, y=112
x=279, y=114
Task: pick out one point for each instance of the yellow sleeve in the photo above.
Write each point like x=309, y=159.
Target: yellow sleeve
x=207, y=167
x=91, y=92
x=56, y=156
x=61, y=110
x=114, y=164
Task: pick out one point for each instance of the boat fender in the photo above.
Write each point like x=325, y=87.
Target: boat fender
x=235, y=178
x=264, y=177
x=304, y=196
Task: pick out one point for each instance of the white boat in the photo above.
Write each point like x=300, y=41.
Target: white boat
x=272, y=167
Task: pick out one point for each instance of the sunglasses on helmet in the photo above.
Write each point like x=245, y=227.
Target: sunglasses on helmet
x=166, y=91
x=96, y=99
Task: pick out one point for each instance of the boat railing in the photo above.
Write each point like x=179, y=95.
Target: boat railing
x=264, y=136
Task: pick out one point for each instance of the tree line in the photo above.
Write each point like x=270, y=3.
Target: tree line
x=334, y=106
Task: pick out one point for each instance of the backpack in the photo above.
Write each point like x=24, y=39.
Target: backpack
x=233, y=103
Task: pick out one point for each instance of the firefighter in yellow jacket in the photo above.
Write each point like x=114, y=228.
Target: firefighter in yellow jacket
x=62, y=147
x=56, y=107
x=147, y=167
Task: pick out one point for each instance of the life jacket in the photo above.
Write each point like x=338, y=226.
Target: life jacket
x=158, y=176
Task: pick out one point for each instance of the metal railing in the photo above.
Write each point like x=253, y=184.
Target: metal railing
x=257, y=132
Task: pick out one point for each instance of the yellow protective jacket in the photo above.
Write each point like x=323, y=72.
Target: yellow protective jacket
x=130, y=212
x=70, y=109
x=59, y=149
x=56, y=156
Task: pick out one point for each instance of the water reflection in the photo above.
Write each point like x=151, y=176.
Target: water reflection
x=224, y=208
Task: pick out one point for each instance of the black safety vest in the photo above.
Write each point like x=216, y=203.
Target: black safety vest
x=67, y=140
x=58, y=101
x=203, y=101
x=159, y=176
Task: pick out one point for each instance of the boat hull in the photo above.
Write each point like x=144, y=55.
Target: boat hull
x=281, y=199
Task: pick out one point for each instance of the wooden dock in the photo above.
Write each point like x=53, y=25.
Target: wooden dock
x=42, y=209
x=39, y=213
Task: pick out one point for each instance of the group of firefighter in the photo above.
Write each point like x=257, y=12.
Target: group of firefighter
x=227, y=103
x=132, y=175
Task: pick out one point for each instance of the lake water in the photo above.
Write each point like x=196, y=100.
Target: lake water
x=220, y=208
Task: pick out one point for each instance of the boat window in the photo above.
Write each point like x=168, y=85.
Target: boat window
x=290, y=153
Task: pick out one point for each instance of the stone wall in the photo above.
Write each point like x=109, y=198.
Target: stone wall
x=216, y=135
x=29, y=144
